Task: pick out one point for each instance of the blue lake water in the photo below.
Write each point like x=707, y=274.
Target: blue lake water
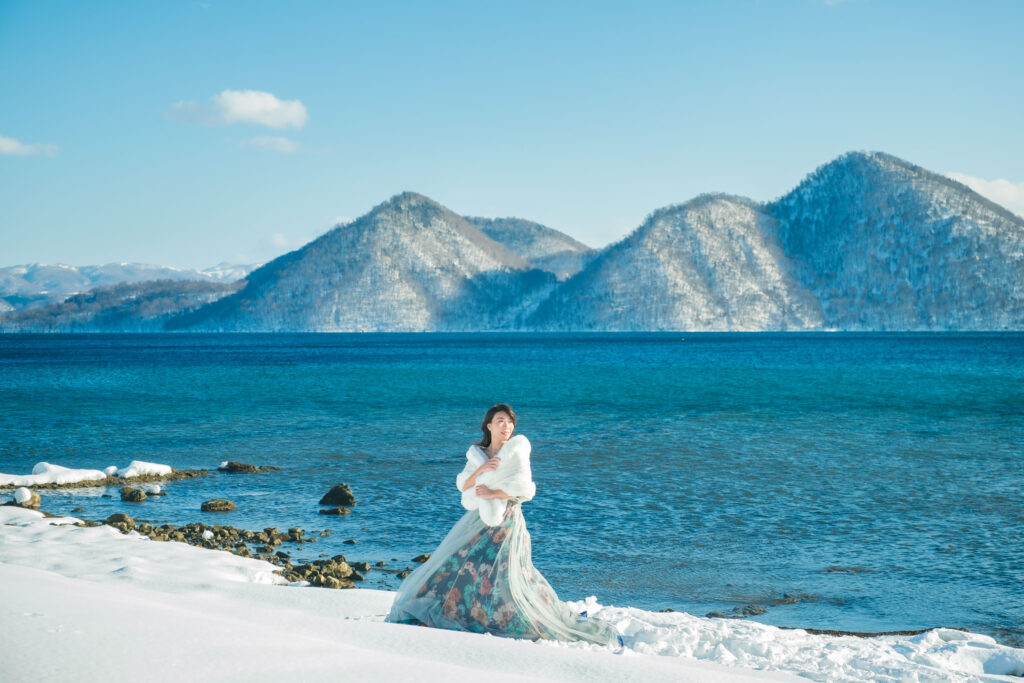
x=699, y=472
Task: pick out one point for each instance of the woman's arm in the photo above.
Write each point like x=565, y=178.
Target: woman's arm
x=484, y=492
x=489, y=466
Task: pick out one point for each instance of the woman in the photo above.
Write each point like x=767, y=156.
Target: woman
x=481, y=577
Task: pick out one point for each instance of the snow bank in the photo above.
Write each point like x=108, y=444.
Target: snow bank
x=223, y=611
x=137, y=468
x=945, y=654
x=45, y=473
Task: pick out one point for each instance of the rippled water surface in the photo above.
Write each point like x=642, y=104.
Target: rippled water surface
x=859, y=482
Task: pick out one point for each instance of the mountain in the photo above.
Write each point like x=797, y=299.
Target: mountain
x=713, y=263
x=866, y=242
x=409, y=264
x=37, y=284
x=126, y=307
x=883, y=244
x=544, y=247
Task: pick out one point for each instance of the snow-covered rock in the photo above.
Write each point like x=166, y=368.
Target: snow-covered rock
x=138, y=468
x=46, y=473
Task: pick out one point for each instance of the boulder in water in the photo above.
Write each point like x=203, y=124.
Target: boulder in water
x=339, y=495
x=218, y=505
x=130, y=494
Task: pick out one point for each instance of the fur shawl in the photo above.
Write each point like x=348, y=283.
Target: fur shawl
x=512, y=476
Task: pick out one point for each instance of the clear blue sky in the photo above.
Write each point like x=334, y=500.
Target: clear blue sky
x=125, y=133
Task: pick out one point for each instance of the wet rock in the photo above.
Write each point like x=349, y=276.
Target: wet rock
x=852, y=570
x=351, y=541
x=339, y=495
x=715, y=615
x=666, y=609
x=382, y=563
x=235, y=467
x=361, y=566
x=421, y=558
x=130, y=494
x=335, y=511
x=76, y=510
x=402, y=574
x=218, y=505
x=120, y=518
x=752, y=610
x=106, y=495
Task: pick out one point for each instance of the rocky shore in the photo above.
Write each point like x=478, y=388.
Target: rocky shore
x=332, y=572
x=116, y=481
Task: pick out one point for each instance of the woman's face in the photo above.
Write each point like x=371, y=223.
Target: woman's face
x=501, y=427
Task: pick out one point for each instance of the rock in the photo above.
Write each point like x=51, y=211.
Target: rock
x=382, y=563
x=752, y=610
x=666, y=609
x=233, y=467
x=106, y=495
x=331, y=582
x=402, y=574
x=218, y=505
x=421, y=558
x=335, y=511
x=27, y=498
x=339, y=495
x=119, y=518
x=361, y=566
x=351, y=541
x=130, y=494
x=715, y=615
x=74, y=510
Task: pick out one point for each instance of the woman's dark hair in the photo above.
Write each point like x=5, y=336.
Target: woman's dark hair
x=494, y=410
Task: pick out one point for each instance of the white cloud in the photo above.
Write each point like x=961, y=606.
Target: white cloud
x=273, y=143
x=278, y=239
x=1007, y=194
x=17, y=148
x=242, y=106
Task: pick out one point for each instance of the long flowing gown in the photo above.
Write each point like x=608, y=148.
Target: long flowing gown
x=482, y=579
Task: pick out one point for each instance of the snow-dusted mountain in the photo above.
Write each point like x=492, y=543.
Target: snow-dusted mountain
x=883, y=244
x=544, y=247
x=126, y=307
x=713, y=263
x=38, y=284
x=409, y=264
x=865, y=242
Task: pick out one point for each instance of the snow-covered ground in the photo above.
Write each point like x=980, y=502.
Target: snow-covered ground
x=92, y=604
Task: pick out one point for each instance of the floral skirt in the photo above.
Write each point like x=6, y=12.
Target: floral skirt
x=482, y=579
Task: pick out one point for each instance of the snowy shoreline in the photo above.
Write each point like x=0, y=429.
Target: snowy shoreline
x=69, y=592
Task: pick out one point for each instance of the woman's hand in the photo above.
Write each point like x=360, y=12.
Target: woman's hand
x=484, y=492
x=489, y=466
